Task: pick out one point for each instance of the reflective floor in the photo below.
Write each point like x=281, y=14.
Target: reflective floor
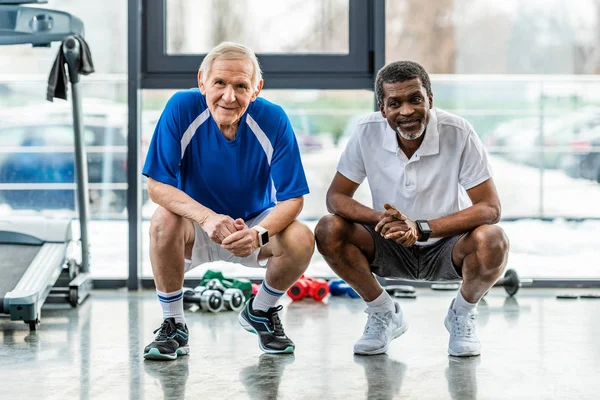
x=534, y=347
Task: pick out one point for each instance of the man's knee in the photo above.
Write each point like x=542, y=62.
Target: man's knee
x=329, y=232
x=491, y=244
x=298, y=240
x=165, y=226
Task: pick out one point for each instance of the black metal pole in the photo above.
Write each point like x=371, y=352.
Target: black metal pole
x=134, y=32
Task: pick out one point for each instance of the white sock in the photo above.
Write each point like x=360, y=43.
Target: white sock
x=266, y=297
x=172, y=305
x=461, y=305
x=383, y=301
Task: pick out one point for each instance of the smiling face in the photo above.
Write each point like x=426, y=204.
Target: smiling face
x=229, y=90
x=406, y=107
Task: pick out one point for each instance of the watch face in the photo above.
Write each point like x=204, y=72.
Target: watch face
x=425, y=226
x=264, y=238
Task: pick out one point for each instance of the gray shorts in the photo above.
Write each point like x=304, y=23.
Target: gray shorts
x=205, y=250
x=429, y=263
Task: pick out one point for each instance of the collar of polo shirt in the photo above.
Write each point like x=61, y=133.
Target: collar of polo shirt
x=431, y=141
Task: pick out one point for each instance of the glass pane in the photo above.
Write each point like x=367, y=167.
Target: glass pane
x=37, y=173
x=495, y=37
x=543, y=137
x=299, y=27
x=322, y=121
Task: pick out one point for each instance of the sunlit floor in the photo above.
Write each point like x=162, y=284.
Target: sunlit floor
x=534, y=347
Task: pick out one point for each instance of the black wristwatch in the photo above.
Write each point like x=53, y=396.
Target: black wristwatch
x=424, y=230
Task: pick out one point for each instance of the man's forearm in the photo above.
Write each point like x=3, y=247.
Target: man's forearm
x=346, y=207
x=178, y=202
x=465, y=220
x=283, y=214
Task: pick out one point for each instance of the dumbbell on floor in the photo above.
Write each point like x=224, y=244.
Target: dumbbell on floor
x=234, y=299
x=206, y=299
x=315, y=288
x=211, y=300
x=338, y=287
x=215, y=297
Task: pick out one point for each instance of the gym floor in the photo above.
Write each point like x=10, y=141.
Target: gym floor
x=534, y=347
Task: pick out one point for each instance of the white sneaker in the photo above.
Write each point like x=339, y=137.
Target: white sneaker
x=463, y=335
x=383, y=326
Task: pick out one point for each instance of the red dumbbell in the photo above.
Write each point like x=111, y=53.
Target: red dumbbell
x=315, y=288
x=255, y=287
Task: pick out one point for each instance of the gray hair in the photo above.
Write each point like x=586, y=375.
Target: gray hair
x=400, y=71
x=231, y=51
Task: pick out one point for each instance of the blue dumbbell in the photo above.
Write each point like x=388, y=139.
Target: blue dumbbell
x=340, y=288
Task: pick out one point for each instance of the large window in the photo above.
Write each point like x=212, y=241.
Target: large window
x=495, y=37
x=514, y=70
x=524, y=74
x=267, y=26
x=36, y=136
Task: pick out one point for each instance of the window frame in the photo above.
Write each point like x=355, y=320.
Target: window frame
x=354, y=70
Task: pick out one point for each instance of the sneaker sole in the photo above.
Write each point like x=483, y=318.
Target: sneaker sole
x=155, y=354
x=467, y=354
x=246, y=325
x=399, y=332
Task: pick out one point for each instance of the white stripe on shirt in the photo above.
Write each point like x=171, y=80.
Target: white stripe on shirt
x=262, y=138
x=191, y=130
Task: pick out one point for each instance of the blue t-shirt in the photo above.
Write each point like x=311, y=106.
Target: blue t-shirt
x=239, y=178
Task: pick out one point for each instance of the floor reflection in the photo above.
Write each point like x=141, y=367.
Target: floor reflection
x=171, y=376
x=384, y=375
x=262, y=380
x=462, y=377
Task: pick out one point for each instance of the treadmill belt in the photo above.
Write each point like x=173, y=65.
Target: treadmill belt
x=14, y=260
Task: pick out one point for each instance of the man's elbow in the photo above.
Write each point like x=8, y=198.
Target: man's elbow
x=329, y=203
x=152, y=190
x=495, y=213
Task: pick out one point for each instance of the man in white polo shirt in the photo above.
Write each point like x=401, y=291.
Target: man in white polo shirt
x=433, y=215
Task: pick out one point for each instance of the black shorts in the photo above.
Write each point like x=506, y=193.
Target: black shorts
x=429, y=263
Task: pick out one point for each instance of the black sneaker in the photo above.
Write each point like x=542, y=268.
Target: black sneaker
x=171, y=341
x=267, y=325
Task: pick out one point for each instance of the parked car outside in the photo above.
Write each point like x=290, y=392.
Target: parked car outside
x=520, y=140
x=584, y=159
x=36, y=154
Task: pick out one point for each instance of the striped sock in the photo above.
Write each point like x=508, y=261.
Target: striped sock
x=172, y=305
x=266, y=297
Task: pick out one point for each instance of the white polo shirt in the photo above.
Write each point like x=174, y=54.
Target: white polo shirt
x=433, y=183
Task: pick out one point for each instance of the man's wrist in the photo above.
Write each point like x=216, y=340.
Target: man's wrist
x=204, y=217
x=424, y=230
x=262, y=235
x=255, y=235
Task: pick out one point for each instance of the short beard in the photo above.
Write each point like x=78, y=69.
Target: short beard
x=412, y=136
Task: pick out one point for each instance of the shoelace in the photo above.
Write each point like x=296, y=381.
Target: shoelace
x=377, y=322
x=464, y=325
x=274, y=321
x=166, y=330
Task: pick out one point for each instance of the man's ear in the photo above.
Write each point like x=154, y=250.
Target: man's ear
x=200, y=83
x=430, y=96
x=258, y=89
x=381, y=110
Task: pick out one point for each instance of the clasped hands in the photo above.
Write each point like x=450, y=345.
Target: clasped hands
x=397, y=226
x=233, y=235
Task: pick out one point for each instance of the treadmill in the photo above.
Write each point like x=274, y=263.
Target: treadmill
x=42, y=259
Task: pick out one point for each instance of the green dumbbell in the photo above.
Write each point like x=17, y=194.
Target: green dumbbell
x=243, y=284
